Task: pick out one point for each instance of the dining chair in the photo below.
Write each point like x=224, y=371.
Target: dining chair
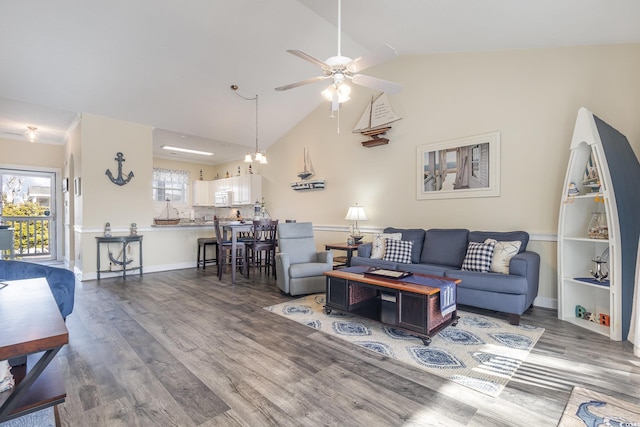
x=262, y=244
x=225, y=246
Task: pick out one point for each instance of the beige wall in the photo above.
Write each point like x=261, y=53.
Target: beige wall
x=25, y=153
x=530, y=96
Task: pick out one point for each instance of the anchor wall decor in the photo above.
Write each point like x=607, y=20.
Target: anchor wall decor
x=120, y=180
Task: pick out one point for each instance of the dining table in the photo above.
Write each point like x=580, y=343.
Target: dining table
x=235, y=229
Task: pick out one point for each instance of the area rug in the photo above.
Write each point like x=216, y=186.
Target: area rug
x=481, y=352
x=592, y=409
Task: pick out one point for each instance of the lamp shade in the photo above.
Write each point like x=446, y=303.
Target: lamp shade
x=356, y=213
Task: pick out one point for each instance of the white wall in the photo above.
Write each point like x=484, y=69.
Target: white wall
x=530, y=96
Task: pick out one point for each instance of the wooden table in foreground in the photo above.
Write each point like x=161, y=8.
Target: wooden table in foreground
x=406, y=306
x=32, y=326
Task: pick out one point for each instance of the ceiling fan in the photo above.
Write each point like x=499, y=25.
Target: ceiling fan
x=341, y=68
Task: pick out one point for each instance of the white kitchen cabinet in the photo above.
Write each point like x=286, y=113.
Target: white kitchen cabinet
x=200, y=194
x=602, y=176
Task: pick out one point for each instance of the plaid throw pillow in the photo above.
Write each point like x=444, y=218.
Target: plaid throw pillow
x=398, y=251
x=479, y=256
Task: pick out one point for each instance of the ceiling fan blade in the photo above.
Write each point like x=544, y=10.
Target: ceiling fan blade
x=378, y=56
x=312, y=59
x=302, y=83
x=376, y=83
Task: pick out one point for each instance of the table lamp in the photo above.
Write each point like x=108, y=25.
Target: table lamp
x=356, y=213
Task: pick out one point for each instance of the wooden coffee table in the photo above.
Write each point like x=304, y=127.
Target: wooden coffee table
x=32, y=326
x=410, y=307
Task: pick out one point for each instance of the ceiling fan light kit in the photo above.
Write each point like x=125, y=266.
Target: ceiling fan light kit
x=341, y=68
x=32, y=134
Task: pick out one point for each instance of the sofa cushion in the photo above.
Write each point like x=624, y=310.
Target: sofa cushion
x=501, y=236
x=489, y=282
x=398, y=251
x=444, y=247
x=479, y=256
x=502, y=254
x=372, y=262
x=431, y=269
x=415, y=235
x=379, y=243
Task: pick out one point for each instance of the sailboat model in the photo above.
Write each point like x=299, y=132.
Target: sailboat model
x=376, y=121
x=306, y=173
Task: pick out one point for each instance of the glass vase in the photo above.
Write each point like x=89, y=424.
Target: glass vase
x=598, y=228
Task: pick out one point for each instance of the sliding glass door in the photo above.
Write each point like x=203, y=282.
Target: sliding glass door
x=28, y=207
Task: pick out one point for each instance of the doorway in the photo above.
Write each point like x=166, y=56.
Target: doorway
x=28, y=206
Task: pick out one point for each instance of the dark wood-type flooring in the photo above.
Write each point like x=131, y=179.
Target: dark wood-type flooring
x=181, y=348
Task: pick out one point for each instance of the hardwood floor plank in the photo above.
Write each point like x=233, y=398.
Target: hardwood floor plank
x=181, y=348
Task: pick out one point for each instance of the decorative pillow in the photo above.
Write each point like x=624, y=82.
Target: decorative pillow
x=398, y=251
x=502, y=254
x=478, y=257
x=378, y=246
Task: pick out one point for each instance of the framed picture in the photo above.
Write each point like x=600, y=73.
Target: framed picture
x=459, y=168
x=65, y=185
x=77, y=190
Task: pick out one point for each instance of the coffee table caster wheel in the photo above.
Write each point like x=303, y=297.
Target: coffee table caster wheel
x=327, y=310
x=455, y=323
x=426, y=341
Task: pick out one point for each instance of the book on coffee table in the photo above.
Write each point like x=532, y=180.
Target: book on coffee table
x=389, y=274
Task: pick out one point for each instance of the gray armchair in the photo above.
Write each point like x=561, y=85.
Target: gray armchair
x=299, y=265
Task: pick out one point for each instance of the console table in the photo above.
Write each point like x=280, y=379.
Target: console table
x=124, y=240
x=32, y=326
x=411, y=307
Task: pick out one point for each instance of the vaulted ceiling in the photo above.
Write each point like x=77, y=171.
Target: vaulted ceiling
x=169, y=64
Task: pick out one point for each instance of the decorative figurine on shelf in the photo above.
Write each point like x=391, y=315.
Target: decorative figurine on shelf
x=605, y=319
x=133, y=230
x=107, y=230
x=201, y=177
x=350, y=241
x=580, y=311
x=599, y=274
x=238, y=174
x=573, y=189
x=250, y=170
x=227, y=175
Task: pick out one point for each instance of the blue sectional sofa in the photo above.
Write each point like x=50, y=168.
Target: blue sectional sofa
x=61, y=281
x=441, y=252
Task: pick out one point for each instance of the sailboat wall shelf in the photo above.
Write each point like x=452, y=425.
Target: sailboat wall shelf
x=376, y=121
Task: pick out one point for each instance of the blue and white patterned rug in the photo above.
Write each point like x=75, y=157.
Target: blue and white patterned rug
x=481, y=352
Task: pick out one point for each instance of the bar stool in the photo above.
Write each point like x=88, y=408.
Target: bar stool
x=203, y=242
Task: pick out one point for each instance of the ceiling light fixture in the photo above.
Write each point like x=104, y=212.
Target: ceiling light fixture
x=258, y=155
x=186, y=150
x=32, y=134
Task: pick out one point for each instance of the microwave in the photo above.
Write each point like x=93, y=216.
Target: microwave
x=223, y=199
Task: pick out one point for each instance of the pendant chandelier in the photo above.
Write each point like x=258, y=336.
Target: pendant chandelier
x=258, y=156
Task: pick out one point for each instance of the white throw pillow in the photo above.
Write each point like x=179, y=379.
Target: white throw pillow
x=502, y=254
x=378, y=247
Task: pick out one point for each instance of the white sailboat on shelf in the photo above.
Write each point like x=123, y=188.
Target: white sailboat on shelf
x=376, y=120
x=305, y=174
x=307, y=171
